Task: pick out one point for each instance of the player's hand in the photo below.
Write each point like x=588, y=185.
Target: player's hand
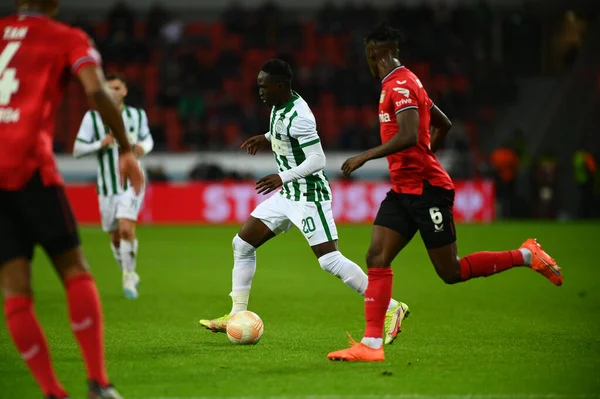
x=268, y=184
x=138, y=151
x=130, y=169
x=255, y=143
x=351, y=164
x=107, y=140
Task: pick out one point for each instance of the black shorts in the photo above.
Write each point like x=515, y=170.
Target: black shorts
x=430, y=213
x=36, y=214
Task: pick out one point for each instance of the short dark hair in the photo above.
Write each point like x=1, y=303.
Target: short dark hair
x=278, y=69
x=116, y=76
x=384, y=33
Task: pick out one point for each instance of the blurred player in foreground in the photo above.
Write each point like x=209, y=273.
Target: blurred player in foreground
x=37, y=57
x=119, y=204
x=421, y=198
x=304, y=199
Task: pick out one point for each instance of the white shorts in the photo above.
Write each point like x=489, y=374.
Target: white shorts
x=314, y=219
x=123, y=206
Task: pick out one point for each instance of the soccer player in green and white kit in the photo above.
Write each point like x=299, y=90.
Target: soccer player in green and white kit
x=304, y=199
x=119, y=205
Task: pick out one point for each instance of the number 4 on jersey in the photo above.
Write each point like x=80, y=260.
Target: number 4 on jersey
x=9, y=84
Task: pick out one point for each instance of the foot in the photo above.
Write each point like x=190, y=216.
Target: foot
x=216, y=325
x=130, y=283
x=56, y=397
x=543, y=263
x=393, y=321
x=99, y=392
x=358, y=352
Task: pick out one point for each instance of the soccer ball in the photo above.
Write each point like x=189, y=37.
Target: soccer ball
x=245, y=328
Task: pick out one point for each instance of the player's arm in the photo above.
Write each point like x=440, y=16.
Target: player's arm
x=314, y=162
x=84, y=142
x=440, y=126
x=304, y=130
x=99, y=94
x=407, y=136
x=146, y=142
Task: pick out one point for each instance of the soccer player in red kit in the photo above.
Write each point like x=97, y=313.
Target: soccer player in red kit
x=421, y=198
x=37, y=57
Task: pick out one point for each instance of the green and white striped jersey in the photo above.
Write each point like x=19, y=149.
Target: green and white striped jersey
x=292, y=128
x=93, y=130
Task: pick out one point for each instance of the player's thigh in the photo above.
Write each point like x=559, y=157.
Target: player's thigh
x=129, y=204
x=15, y=239
x=16, y=250
x=393, y=229
x=433, y=214
x=315, y=221
x=48, y=217
x=266, y=221
x=108, y=213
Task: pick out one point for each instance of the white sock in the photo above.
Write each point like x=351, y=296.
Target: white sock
x=128, y=255
x=374, y=343
x=117, y=254
x=244, y=267
x=527, y=256
x=349, y=272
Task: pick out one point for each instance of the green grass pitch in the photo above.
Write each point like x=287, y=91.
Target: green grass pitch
x=511, y=336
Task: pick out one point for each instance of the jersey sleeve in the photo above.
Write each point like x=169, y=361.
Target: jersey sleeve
x=86, y=129
x=304, y=129
x=144, y=130
x=404, y=95
x=81, y=51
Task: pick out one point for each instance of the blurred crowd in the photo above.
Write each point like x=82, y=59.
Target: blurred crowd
x=197, y=79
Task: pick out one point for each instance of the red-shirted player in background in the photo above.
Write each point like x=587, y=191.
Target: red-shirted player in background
x=37, y=57
x=421, y=198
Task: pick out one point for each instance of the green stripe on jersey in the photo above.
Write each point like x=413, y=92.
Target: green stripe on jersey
x=324, y=221
x=315, y=141
x=113, y=173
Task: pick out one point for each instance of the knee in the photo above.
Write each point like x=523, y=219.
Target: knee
x=241, y=248
x=16, y=282
x=126, y=232
x=376, y=258
x=450, y=273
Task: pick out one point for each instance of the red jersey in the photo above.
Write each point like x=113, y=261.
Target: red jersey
x=402, y=90
x=37, y=56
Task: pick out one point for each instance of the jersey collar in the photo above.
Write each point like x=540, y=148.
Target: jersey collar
x=391, y=72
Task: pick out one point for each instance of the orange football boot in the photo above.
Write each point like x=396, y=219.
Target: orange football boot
x=358, y=352
x=543, y=263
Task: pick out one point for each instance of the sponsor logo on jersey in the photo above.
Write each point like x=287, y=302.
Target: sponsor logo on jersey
x=403, y=102
x=279, y=126
x=382, y=97
x=405, y=92
x=384, y=117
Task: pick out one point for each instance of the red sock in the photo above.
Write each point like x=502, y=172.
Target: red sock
x=88, y=325
x=31, y=343
x=377, y=299
x=483, y=264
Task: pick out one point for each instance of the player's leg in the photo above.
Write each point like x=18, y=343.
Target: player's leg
x=51, y=222
x=324, y=243
x=110, y=224
x=265, y=222
x=16, y=250
x=393, y=229
x=128, y=209
x=436, y=224
x=115, y=244
x=24, y=327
